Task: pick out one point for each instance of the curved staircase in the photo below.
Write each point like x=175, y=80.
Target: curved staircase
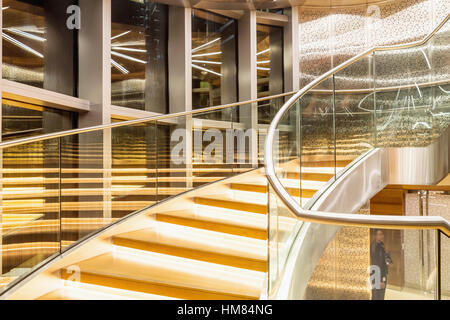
x=208, y=243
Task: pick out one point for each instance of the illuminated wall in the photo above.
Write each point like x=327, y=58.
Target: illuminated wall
x=331, y=35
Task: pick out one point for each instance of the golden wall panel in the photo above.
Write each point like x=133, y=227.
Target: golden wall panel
x=330, y=36
x=341, y=273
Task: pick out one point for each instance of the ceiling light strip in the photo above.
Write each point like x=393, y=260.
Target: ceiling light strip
x=25, y=34
x=22, y=45
x=206, y=62
x=264, y=51
x=204, y=45
x=119, y=67
x=129, y=49
x=206, y=54
x=120, y=35
x=124, y=56
x=207, y=70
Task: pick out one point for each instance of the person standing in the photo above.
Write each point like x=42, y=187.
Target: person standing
x=380, y=258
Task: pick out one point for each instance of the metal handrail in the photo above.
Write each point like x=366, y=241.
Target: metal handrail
x=66, y=133
x=346, y=219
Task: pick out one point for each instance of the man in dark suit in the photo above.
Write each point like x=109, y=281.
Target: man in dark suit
x=381, y=259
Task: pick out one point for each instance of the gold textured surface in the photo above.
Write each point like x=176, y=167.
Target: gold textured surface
x=341, y=273
x=329, y=36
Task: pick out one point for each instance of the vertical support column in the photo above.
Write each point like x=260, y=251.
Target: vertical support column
x=276, y=77
x=180, y=76
x=276, y=61
x=156, y=67
x=95, y=83
x=291, y=52
x=60, y=74
x=438, y=270
x=248, y=80
x=59, y=69
x=94, y=61
x=228, y=86
x=180, y=70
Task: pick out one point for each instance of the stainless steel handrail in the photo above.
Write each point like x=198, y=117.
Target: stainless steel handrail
x=345, y=219
x=66, y=133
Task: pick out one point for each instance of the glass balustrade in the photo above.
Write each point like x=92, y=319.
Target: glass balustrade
x=58, y=191
x=386, y=98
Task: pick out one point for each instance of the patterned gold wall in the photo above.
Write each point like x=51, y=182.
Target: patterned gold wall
x=330, y=36
x=436, y=204
x=341, y=273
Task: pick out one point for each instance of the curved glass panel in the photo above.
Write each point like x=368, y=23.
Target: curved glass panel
x=61, y=190
x=388, y=98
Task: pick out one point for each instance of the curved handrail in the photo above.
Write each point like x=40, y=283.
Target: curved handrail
x=345, y=219
x=66, y=133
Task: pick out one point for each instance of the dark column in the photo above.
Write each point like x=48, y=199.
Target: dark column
x=156, y=67
x=276, y=78
x=228, y=84
x=276, y=61
x=60, y=49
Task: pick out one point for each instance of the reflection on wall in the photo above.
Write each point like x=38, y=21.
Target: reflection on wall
x=34, y=34
x=330, y=36
x=24, y=39
x=214, y=48
x=412, y=100
x=139, y=55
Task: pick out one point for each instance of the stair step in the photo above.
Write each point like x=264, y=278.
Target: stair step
x=310, y=176
x=306, y=193
x=232, y=204
x=171, y=291
x=84, y=291
x=197, y=244
x=213, y=226
x=151, y=272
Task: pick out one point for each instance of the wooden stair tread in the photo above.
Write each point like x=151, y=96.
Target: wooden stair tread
x=149, y=267
x=198, y=244
x=83, y=291
x=226, y=202
x=213, y=226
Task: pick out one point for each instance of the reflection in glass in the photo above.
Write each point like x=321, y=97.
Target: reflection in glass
x=269, y=67
x=24, y=40
x=354, y=105
x=133, y=168
x=403, y=97
x=214, y=46
x=34, y=35
x=375, y=264
x=317, y=132
x=20, y=120
x=139, y=55
x=30, y=207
